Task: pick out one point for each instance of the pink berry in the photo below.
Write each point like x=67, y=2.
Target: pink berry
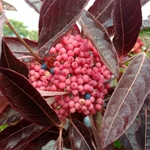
x=56, y=64
x=56, y=70
x=74, y=85
x=36, y=75
x=52, y=50
x=77, y=106
x=86, y=78
x=65, y=72
x=45, y=83
x=42, y=72
x=37, y=68
x=74, y=65
x=66, y=64
x=62, y=78
x=71, y=104
x=80, y=88
x=69, y=47
x=87, y=103
x=98, y=107
x=74, y=92
x=72, y=110
x=58, y=47
x=62, y=85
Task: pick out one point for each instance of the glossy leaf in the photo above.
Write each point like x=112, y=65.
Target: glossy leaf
x=35, y=4
x=57, y=17
x=9, y=116
x=128, y=138
x=26, y=99
x=17, y=48
x=101, y=41
x=147, y=131
x=127, y=18
x=126, y=100
x=80, y=136
x=19, y=134
x=8, y=60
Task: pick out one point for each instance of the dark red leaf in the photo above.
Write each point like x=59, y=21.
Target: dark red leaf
x=56, y=18
x=8, y=60
x=95, y=134
x=127, y=99
x=128, y=138
x=26, y=99
x=41, y=140
x=143, y=2
x=127, y=22
x=17, y=48
x=102, y=10
x=9, y=116
x=3, y=102
x=35, y=4
x=143, y=132
x=80, y=136
x=59, y=143
x=101, y=41
x=19, y=134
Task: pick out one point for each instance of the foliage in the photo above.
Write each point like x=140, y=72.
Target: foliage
x=21, y=29
x=28, y=116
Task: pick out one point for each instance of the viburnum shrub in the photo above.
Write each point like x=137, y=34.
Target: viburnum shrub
x=84, y=85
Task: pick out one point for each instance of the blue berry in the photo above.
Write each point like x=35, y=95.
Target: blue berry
x=43, y=66
x=87, y=96
x=86, y=121
x=52, y=71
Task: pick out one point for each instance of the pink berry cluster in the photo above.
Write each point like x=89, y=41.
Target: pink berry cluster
x=138, y=46
x=75, y=67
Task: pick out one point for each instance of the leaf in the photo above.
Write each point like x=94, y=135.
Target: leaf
x=42, y=140
x=26, y=99
x=19, y=134
x=95, y=134
x=126, y=100
x=2, y=20
x=59, y=143
x=80, y=136
x=48, y=93
x=55, y=21
x=102, y=10
x=101, y=41
x=18, y=48
x=127, y=18
x=35, y=4
x=3, y=102
x=8, y=60
x=143, y=2
x=9, y=116
x=143, y=132
x=128, y=138
x=8, y=6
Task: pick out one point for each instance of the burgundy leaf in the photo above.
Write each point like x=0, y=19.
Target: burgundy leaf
x=102, y=10
x=35, y=4
x=40, y=141
x=127, y=22
x=2, y=20
x=143, y=132
x=56, y=18
x=97, y=34
x=18, y=48
x=95, y=134
x=9, y=116
x=8, y=60
x=26, y=99
x=3, y=102
x=19, y=134
x=80, y=136
x=128, y=138
x=143, y=2
x=126, y=100
x=58, y=144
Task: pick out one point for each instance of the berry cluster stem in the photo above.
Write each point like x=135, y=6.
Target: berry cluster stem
x=21, y=40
